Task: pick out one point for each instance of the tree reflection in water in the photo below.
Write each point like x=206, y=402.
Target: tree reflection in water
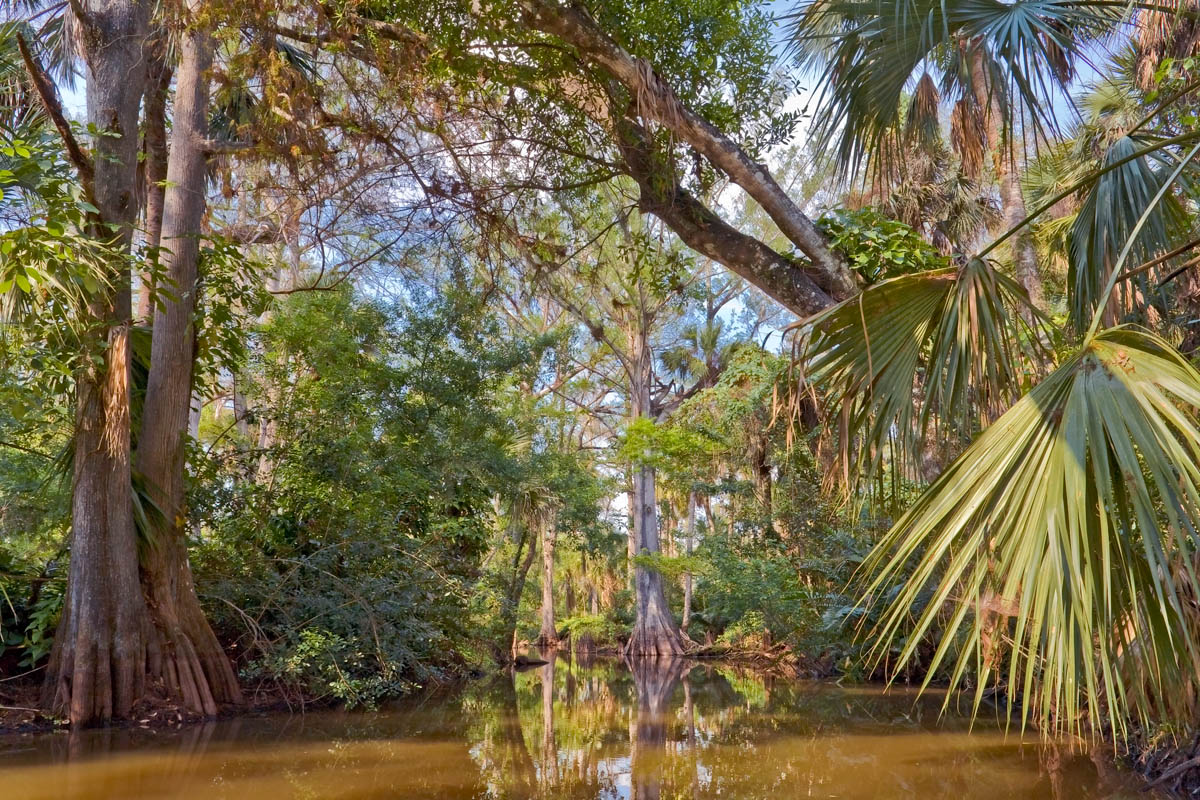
x=655, y=680
x=576, y=729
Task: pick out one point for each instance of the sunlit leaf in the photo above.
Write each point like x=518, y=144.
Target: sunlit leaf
x=1057, y=552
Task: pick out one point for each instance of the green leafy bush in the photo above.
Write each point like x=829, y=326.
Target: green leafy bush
x=877, y=247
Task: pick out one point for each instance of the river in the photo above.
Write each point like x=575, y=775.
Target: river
x=570, y=730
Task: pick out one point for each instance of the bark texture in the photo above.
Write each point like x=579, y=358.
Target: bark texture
x=158, y=84
x=654, y=632
x=703, y=230
x=548, y=636
x=185, y=654
x=97, y=666
x=689, y=535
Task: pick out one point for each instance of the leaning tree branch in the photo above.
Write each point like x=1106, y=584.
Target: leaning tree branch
x=656, y=100
x=49, y=97
x=705, y=232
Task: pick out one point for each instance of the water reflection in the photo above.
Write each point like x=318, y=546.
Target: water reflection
x=649, y=730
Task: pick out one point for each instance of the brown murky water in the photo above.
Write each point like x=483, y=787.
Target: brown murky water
x=569, y=730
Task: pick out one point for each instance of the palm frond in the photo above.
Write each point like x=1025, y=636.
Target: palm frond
x=921, y=123
x=1107, y=217
x=1069, y=528
x=922, y=354
x=868, y=51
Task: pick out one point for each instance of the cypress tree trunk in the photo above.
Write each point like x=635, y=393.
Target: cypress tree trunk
x=689, y=533
x=185, y=654
x=97, y=666
x=548, y=636
x=654, y=631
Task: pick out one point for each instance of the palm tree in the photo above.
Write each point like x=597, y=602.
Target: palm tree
x=1069, y=524
x=869, y=51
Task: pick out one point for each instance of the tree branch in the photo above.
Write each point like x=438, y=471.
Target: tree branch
x=49, y=97
x=657, y=101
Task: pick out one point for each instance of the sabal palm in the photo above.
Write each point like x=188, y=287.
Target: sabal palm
x=869, y=53
x=1068, y=528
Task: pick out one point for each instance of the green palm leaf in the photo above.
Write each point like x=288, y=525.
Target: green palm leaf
x=919, y=355
x=1110, y=211
x=1073, y=521
x=868, y=52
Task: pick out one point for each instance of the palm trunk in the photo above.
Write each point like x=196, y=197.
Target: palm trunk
x=1024, y=254
x=1008, y=180
x=186, y=655
x=516, y=589
x=97, y=666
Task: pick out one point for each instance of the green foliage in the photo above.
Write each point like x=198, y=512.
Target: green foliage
x=960, y=337
x=747, y=588
x=877, y=247
x=231, y=294
x=867, y=53
x=51, y=264
x=670, y=448
x=599, y=627
x=323, y=666
x=1107, y=219
x=1070, y=526
x=372, y=523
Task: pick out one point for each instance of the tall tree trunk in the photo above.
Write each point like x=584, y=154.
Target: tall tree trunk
x=1024, y=255
x=97, y=665
x=654, y=631
x=268, y=426
x=689, y=535
x=155, y=138
x=517, y=588
x=185, y=654
x=569, y=594
x=240, y=422
x=1008, y=180
x=548, y=637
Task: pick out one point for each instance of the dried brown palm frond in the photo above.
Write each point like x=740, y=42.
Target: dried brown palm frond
x=921, y=123
x=968, y=136
x=1169, y=30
